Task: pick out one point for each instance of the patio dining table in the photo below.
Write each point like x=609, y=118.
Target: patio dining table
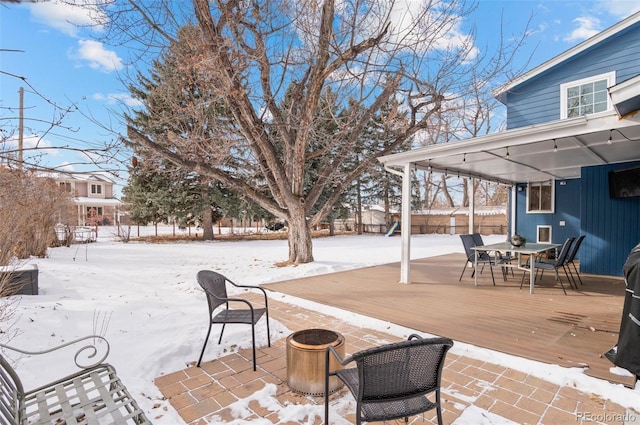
x=531, y=249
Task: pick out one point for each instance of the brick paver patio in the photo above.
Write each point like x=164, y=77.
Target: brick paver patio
x=225, y=389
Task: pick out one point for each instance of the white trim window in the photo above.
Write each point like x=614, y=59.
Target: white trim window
x=540, y=197
x=586, y=96
x=65, y=187
x=96, y=189
x=543, y=233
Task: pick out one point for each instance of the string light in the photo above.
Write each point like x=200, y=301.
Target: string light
x=555, y=147
x=507, y=151
x=464, y=157
x=610, y=141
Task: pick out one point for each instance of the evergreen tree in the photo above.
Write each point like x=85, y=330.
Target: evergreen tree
x=376, y=185
x=160, y=190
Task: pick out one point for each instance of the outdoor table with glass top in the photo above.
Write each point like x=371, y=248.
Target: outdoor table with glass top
x=531, y=249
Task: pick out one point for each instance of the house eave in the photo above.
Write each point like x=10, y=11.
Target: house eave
x=625, y=96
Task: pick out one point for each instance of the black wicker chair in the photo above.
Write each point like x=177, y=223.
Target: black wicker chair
x=392, y=381
x=214, y=285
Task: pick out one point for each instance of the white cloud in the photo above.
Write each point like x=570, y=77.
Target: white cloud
x=98, y=57
x=414, y=22
x=66, y=17
x=587, y=26
x=32, y=144
x=117, y=98
x=65, y=166
x=620, y=8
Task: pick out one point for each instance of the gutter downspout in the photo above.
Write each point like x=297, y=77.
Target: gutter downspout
x=405, y=220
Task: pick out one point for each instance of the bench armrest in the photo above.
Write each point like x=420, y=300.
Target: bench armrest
x=89, y=350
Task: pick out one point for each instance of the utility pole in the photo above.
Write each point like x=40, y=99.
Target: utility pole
x=20, y=128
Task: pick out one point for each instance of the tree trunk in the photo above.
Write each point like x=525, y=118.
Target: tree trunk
x=207, y=224
x=300, y=247
x=207, y=217
x=359, y=206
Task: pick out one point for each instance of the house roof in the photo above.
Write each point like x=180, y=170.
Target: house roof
x=566, y=55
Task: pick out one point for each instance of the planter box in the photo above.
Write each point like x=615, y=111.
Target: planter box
x=22, y=281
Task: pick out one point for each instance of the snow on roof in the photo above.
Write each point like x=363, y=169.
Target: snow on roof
x=493, y=210
x=480, y=210
x=84, y=200
x=87, y=177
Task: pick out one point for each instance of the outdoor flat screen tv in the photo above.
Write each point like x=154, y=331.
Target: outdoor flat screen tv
x=624, y=183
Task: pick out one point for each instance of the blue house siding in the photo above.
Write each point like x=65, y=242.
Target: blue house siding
x=612, y=226
x=537, y=100
x=567, y=210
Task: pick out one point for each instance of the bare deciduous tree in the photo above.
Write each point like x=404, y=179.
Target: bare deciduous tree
x=274, y=61
x=30, y=207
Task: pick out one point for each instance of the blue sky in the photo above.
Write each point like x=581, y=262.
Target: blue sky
x=40, y=47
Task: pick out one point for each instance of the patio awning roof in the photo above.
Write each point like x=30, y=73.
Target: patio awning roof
x=556, y=150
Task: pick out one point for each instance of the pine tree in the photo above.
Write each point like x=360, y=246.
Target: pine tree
x=175, y=99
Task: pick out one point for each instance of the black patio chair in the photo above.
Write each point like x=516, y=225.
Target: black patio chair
x=215, y=286
x=559, y=262
x=392, y=381
x=469, y=242
x=500, y=257
x=571, y=257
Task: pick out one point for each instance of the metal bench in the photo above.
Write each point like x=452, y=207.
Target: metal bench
x=94, y=395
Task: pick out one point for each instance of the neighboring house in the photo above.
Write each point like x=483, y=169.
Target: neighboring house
x=93, y=196
x=572, y=124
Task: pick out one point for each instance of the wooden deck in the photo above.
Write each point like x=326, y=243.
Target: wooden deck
x=572, y=330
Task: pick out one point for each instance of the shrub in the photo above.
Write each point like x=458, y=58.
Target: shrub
x=30, y=207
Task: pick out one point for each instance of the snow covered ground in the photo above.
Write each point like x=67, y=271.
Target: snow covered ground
x=145, y=300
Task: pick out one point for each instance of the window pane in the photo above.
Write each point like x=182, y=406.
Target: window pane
x=573, y=112
x=586, y=88
x=600, y=107
x=534, y=197
x=586, y=110
x=600, y=85
x=573, y=102
x=600, y=96
x=573, y=92
x=586, y=99
x=545, y=198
